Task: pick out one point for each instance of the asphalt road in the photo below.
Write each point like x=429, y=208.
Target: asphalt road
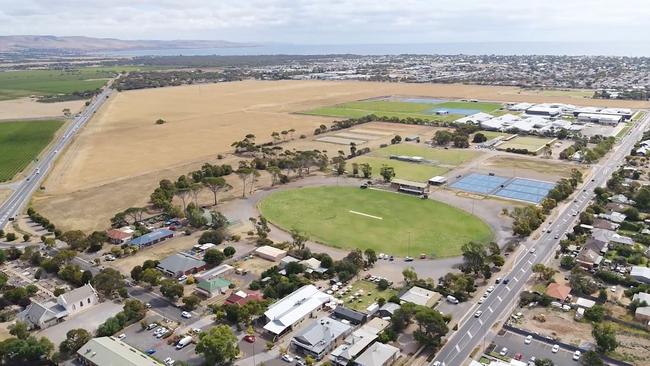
x=14, y=204
x=500, y=302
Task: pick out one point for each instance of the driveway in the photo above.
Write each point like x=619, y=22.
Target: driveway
x=89, y=320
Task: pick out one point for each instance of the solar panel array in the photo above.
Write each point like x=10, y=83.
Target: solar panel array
x=520, y=189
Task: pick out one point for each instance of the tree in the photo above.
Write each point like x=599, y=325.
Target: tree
x=218, y=345
x=568, y=262
x=244, y=172
x=15, y=351
x=591, y=358
x=595, y=313
x=544, y=273
x=298, y=239
x=442, y=137
x=461, y=141
x=26, y=237
x=76, y=239
x=366, y=170
x=410, y=275
x=212, y=236
x=213, y=257
x=133, y=310
x=151, y=276
x=431, y=326
x=19, y=330
x=191, y=302
x=387, y=172
x=136, y=273
x=171, y=289
x=382, y=284
x=605, y=337
x=74, y=339
x=478, y=138
x=544, y=362
x=107, y=281
x=229, y=251
x=474, y=256
x=371, y=256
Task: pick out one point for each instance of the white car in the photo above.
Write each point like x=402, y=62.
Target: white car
x=528, y=339
x=613, y=289
x=482, y=299
x=490, y=289
x=182, y=278
x=287, y=357
x=533, y=249
x=121, y=336
x=478, y=313
x=576, y=355
x=186, y=315
x=504, y=351
x=555, y=348
x=169, y=361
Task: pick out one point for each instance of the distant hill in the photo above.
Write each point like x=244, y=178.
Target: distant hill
x=89, y=44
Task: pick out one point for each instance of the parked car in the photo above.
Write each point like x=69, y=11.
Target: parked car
x=452, y=299
x=182, y=278
x=151, y=326
x=168, y=361
x=249, y=338
x=518, y=356
x=490, y=289
x=555, y=348
x=121, y=336
x=576, y=355
x=482, y=299
x=528, y=339
x=150, y=351
x=186, y=315
x=504, y=351
x=408, y=259
x=478, y=313
x=506, y=281
x=533, y=249
x=287, y=357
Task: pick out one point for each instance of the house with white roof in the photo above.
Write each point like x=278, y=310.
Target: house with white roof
x=320, y=337
x=475, y=119
x=355, y=343
x=641, y=274
x=420, y=296
x=378, y=354
x=294, y=308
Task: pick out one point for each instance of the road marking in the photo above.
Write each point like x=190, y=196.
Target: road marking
x=523, y=270
x=500, y=299
x=515, y=279
x=457, y=348
x=508, y=288
x=529, y=262
x=470, y=334
x=480, y=322
x=366, y=215
x=489, y=308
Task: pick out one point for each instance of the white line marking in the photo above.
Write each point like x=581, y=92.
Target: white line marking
x=480, y=322
x=523, y=270
x=515, y=278
x=470, y=334
x=457, y=348
x=489, y=308
x=508, y=288
x=498, y=297
x=529, y=262
x=366, y=215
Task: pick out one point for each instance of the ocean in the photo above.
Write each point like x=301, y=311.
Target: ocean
x=634, y=49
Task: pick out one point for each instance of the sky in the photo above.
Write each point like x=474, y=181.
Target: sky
x=333, y=21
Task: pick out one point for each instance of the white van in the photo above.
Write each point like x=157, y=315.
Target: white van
x=452, y=299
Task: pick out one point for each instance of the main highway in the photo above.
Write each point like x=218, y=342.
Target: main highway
x=502, y=300
x=22, y=194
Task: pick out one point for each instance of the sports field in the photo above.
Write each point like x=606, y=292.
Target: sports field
x=442, y=156
x=21, y=142
x=530, y=143
x=17, y=84
x=349, y=217
x=403, y=169
x=404, y=109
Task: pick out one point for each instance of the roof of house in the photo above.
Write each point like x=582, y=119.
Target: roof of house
x=642, y=296
x=643, y=310
x=320, y=334
x=377, y=324
x=354, y=344
x=596, y=245
x=312, y=263
x=180, y=262
x=585, y=303
x=349, y=314
x=638, y=271
x=118, y=234
x=419, y=296
x=37, y=313
x=390, y=307
x=242, y=297
x=270, y=251
x=294, y=307
x=213, y=284
x=152, y=236
x=558, y=291
x=589, y=256
x=216, y=271
x=78, y=294
x=377, y=354
x=108, y=351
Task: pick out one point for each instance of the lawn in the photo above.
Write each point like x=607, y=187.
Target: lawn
x=21, y=142
x=442, y=156
x=16, y=84
x=493, y=134
x=481, y=106
x=419, y=172
x=370, y=294
x=382, y=108
x=349, y=217
x=551, y=167
x=530, y=143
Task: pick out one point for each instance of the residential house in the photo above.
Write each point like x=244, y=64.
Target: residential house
x=313, y=265
x=558, y=291
x=213, y=287
x=615, y=217
x=294, y=308
x=420, y=296
x=387, y=310
x=180, y=264
x=589, y=258
x=117, y=236
x=604, y=224
x=356, y=343
x=242, y=297
x=320, y=337
x=218, y=271
x=642, y=296
x=152, y=238
x=286, y=260
x=621, y=198
x=378, y=354
x=109, y=351
x=642, y=314
x=641, y=274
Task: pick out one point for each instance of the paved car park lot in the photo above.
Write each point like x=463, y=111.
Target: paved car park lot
x=515, y=344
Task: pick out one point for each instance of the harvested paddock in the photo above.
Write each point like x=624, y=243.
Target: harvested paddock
x=340, y=140
x=530, y=143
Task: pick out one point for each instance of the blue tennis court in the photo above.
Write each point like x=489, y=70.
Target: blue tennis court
x=480, y=183
x=520, y=189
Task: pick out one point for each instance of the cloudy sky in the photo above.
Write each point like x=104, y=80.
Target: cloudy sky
x=333, y=21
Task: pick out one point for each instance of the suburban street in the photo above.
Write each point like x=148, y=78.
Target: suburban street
x=27, y=186
x=474, y=330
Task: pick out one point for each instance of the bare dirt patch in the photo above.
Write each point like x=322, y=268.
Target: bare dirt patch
x=534, y=168
x=28, y=108
x=4, y=194
x=159, y=251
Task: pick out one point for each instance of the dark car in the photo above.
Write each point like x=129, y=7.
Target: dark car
x=363, y=186
x=150, y=351
x=505, y=282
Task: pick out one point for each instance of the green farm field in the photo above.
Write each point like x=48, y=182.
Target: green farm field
x=349, y=217
x=526, y=142
x=21, y=142
x=17, y=84
x=442, y=156
x=391, y=108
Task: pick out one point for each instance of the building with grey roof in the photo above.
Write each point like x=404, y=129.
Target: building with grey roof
x=180, y=264
x=320, y=337
x=43, y=315
x=641, y=274
x=378, y=354
x=108, y=351
x=388, y=309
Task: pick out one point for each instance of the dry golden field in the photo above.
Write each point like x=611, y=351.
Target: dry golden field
x=27, y=108
x=120, y=156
